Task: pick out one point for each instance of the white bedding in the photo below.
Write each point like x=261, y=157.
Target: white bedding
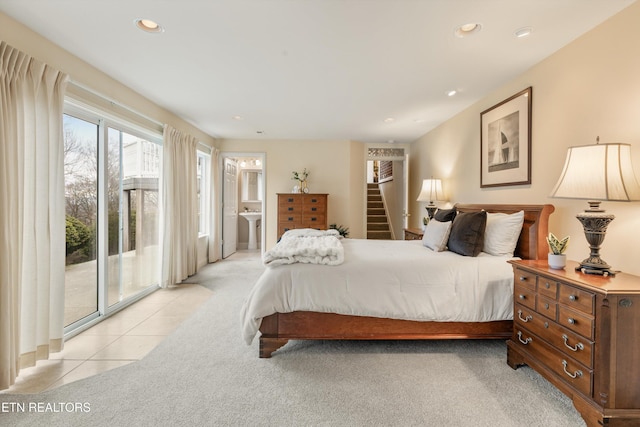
x=307, y=246
x=387, y=278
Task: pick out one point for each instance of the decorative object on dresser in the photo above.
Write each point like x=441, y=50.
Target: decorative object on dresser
x=302, y=179
x=413, y=234
x=301, y=211
x=580, y=332
x=557, y=259
x=595, y=173
x=431, y=191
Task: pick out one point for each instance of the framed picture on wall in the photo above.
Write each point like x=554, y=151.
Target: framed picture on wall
x=505, y=142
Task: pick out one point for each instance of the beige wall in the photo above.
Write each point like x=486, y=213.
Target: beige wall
x=335, y=167
x=21, y=37
x=590, y=87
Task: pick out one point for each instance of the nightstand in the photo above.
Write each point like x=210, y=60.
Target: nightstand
x=413, y=234
x=580, y=332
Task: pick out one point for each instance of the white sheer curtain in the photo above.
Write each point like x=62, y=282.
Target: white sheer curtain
x=216, y=209
x=32, y=212
x=179, y=206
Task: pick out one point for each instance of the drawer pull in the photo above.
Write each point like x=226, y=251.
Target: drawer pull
x=523, y=278
x=573, y=297
x=525, y=341
x=547, y=285
x=571, y=321
x=546, y=306
x=522, y=297
x=577, y=347
x=575, y=375
x=526, y=319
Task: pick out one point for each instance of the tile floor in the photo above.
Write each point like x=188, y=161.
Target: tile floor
x=121, y=339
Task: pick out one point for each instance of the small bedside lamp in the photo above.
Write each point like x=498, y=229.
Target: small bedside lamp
x=431, y=191
x=596, y=173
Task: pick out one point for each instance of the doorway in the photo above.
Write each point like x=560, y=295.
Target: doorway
x=244, y=206
x=387, y=193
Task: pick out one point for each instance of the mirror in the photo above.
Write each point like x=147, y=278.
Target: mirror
x=251, y=185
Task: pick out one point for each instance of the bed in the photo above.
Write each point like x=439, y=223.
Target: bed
x=440, y=314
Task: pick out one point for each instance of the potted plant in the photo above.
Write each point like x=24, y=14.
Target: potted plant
x=557, y=258
x=344, y=231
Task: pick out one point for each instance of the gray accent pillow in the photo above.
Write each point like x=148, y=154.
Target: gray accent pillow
x=467, y=233
x=444, y=215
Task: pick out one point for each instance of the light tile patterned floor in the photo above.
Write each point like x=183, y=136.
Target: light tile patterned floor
x=121, y=339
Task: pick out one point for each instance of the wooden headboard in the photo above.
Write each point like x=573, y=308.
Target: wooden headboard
x=532, y=243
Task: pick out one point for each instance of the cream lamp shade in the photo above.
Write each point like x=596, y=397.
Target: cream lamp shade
x=596, y=173
x=430, y=192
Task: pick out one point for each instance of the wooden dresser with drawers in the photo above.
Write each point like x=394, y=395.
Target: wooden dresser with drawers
x=301, y=210
x=582, y=333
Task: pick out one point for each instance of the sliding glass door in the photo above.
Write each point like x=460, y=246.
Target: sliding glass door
x=81, y=196
x=111, y=179
x=133, y=212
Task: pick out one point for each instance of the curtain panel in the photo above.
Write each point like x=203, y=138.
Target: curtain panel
x=179, y=206
x=32, y=212
x=214, y=225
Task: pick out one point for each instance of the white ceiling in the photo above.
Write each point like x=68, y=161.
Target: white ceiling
x=312, y=69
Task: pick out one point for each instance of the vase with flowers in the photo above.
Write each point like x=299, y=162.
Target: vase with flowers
x=301, y=177
x=557, y=258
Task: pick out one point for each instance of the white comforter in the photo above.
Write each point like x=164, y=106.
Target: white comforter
x=386, y=278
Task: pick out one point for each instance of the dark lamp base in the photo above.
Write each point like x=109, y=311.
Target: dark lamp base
x=595, y=227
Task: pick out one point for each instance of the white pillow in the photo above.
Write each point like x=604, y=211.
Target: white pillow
x=436, y=235
x=502, y=232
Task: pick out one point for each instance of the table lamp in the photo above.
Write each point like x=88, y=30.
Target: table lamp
x=431, y=191
x=597, y=173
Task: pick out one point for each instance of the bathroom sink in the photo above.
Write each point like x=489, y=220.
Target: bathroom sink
x=251, y=216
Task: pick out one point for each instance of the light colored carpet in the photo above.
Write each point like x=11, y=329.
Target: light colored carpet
x=204, y=375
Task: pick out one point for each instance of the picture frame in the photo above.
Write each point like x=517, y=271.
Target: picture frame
x=505, y=142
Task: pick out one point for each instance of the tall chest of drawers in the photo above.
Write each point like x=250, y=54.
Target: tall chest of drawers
x=582, y=333
x=301, y=211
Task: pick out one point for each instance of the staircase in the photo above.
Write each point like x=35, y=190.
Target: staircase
x=377, y=224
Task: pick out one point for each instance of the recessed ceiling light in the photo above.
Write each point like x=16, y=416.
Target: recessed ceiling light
x=389, y=119
x=419, y=121
x=260, y=132
x=391, y=141
x=523, y=32
x=148, y=25
x=237, y=117
x=451, y=92
x=467, y=29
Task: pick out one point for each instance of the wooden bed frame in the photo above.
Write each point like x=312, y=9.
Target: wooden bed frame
x=277, y=329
